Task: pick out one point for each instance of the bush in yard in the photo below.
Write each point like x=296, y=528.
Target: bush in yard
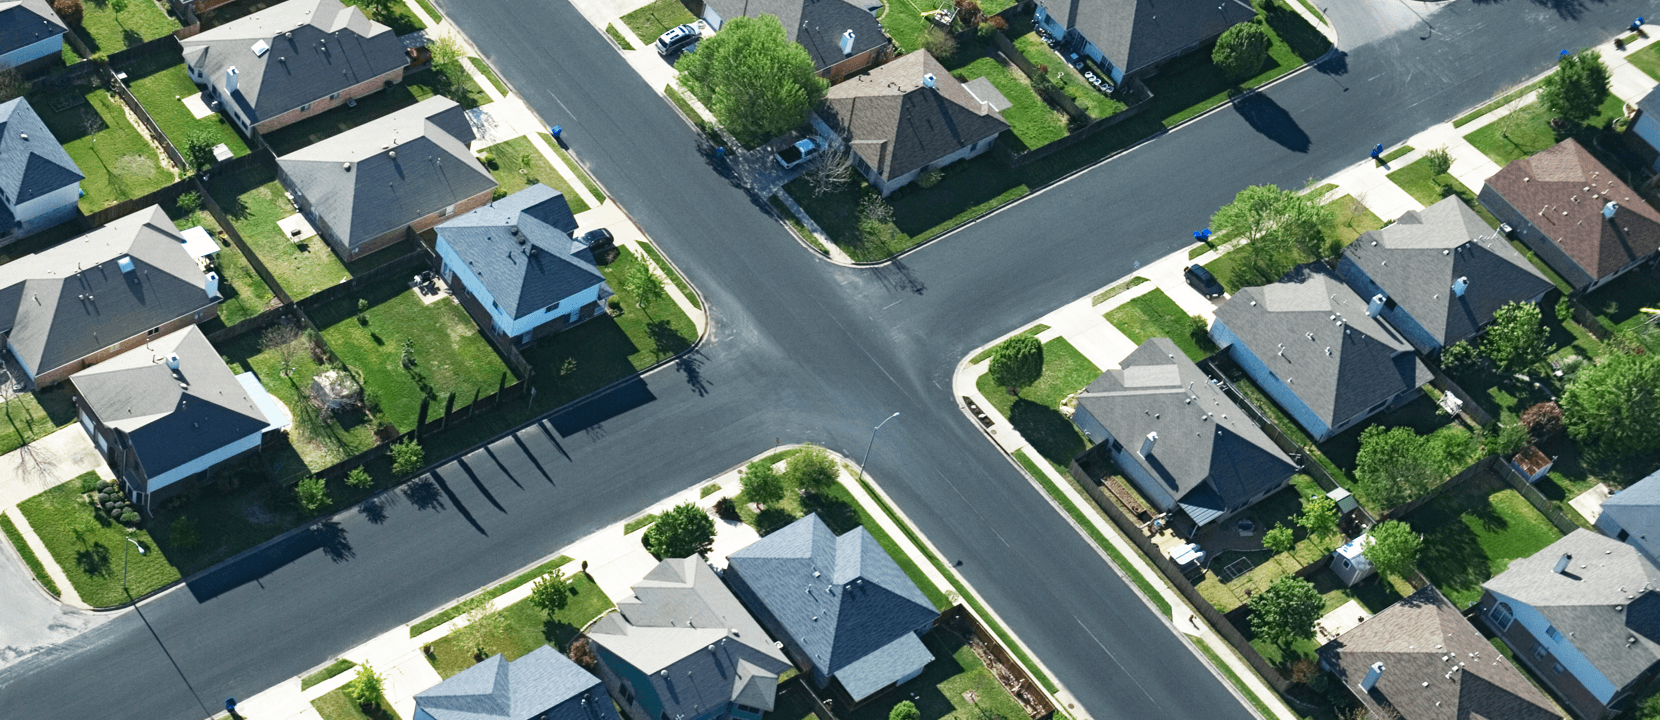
x=444, y=49
x=811, y=469
x=1518, y=340
x=1319, y=517
x=313, y=493
x=366, y=688
x=727, y=510
x=931, y=178
x=1279, y=539
x=761, y=485
x=359, y=478
x=130, y=518
x=1543, y=419
x=182, y=533
x=1394, y=549
x=1440, y=161
x=1303, y=671
x=938, y=43
x=1280, y=228
x=1017, y=362
x=482, y=624
x=684, y=530
x=1614, y=406
x=1241, y=50
x=198, y=148
x=905, y=710
x=1287, y=611
x=188, y=202
x=582, y=653
x=70, y=10
x=1576, y=90
x=758, y=81
x=88, y=483
x=1506, y=440
x=1461, y=359
x=1397, y=465
x=407, y=457
x=551, y=593
x=969, y=13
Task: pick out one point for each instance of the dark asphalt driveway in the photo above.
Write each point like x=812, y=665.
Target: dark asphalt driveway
x=799, y=350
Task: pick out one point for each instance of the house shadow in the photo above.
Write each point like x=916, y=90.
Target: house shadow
x=326, y=536
x=595, y=410
x=1272, y=121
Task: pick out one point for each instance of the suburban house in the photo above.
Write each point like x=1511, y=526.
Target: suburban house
x=843, y=609
x=1448, y=253
x=683, y=647
x=1575, y=213
x=1319, y=350
x=1646, y=126
x=1632, y=516
x=842, y=36
x=1422, y=660
x=542, y=685
x=31, y=34
x=515, y=261
x=410, y=169
x=1584, y=614
x=1213, y=460
x=293, y=60
x=100, y=295
x=1133, y=37
x=908, y=117
x=39, y=183
x=171, y=411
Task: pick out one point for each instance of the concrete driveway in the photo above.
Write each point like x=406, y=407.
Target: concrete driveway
x=1359, y=22
x=48, y=462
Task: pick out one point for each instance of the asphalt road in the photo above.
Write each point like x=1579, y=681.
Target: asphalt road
x=800, y=350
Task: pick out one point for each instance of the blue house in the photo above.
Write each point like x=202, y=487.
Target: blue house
x=39, y=183
x=30, y=32
x=1319, y=350
x=1439, y=274
x=515, y=261
x=1134, y=37
x=542, y=685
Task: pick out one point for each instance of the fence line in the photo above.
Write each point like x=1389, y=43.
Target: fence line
x=129, y=206
x=1463, y=476
x=416, y=258
x=258, y=322
x=1286, y=443
x=1052, y=94
x=143, y=115
x=166, y=44
x=241, y=245
x=1531, y=494
x=1025, y=690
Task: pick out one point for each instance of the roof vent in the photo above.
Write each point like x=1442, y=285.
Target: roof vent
x=1376, y=305
x=260, y=48
x=392, y=154
x=346, y=166
x=173, y=361
x=1310, y=335
x=126, y=263
x=25, y=136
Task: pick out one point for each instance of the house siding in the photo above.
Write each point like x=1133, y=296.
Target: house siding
x=1127, y=459
x=46, y=211
x=854, y=64
x=615, y=672
x=1397, y=316
x=391, y=236
x=216, y=89
x=887, y=187
x=44, y=48
x=1582, y=687
x=55, y=375
x=1535, y=240
x=569, y=308
x=1269, y=382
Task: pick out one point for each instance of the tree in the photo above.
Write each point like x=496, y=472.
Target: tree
x=758, y=82
x=811, y=469
x=1506, y=439
x=1280, y=228
x=482, y=623
x=683, y=531
x=830, y=171
x=1518, y=339
x=118, y=6
x=1017, y=362
x=378, y=8
x=1440, y=161
x=198, y=148
x=905, y=710
x=444, y=50
x=359, y=478
x=1241, y=50
x=313, y=493
x=407, y=457
x=12, y=84
x=70, y=10
x=1319, y=517
x=644, y=284
x=1280, y=539
x=188, y=202
x=1576, y=90
x=281, y=340
x=1394, y=548
x=1614, y=406
x=939, y=43
x=551, y=593
x=761, y=485
x=582, y=653
x=1287, y=611
x=1461, y=358
x=1396, y=465
x=366, y=688
x=1542, y=419
x=407, y=355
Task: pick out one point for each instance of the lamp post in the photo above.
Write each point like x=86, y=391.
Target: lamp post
x=124, y=555
x=871, y=444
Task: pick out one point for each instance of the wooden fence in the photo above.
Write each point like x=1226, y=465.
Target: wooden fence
x=1223, y=369
x=1054, y=95
x=163, y=196
x=121, y=91
x=224, y=221
x=1554, y=514
x=1009, y=671
x=414, y=261
x=1452, y=483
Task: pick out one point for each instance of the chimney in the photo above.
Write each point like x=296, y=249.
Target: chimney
x=1609, y=210
x=210, y=283
x=1147, y=445
x=173, y=361
x=928, y=80
x=1371, y=679
x=847, y=42
x=230, y=80
x=1376, y=306
x=1562, y=564
x=1460, y=285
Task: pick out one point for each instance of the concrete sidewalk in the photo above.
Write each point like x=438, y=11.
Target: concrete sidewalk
x=47, y=463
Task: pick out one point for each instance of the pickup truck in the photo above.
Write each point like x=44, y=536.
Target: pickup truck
x=800, y=152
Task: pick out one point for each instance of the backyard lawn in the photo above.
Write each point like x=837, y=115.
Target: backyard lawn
x=1093, y=101
x=316, y=443
x=397, y=16
x=1619, y=305
x=105, y=31
x=1472, y=532
x=1032, y=121
x=159, y=82
x=1153, y=315
x=118, y=160
x=450, y=356
x=657, y=18
x=1528, y=131
x=1647, y=60
x=1421, y=182
x=528, y=628
x=904, y=21
x=943, y=690
x=90, y=549
x=246, y=295
x=450, y=81
x=517, y=164
x=32, y=416
x=1036, y=411
x=254, y=201
x=1281, y=508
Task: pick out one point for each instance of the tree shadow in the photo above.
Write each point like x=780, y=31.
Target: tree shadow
x=423, y=494
x=94, y=559
x=1049, y=432
x=1272, y=121
x=330, y=537
x=374, y=509
x=130, y=38
x=1565, y=9
x=772, y=518
x=834, y=511
x=691, y=365
x=1337, y=64
x=664, y=339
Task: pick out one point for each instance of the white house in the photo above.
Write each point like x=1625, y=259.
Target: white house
x=39, y=183
x=29, y=31
x=1632, y=516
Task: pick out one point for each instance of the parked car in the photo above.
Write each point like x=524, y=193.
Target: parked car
x=597, y=240
x=677, y=39
x=1203, y=281
x=800, y=152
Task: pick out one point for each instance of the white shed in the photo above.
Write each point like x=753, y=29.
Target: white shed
x=1348, y=562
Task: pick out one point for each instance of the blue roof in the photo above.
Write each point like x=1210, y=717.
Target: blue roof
x=542, y=684
x=878, y=669
x=32, y=163
x=520, y=247
x=1637, y=510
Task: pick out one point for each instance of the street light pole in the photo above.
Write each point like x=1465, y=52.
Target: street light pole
x=124, y=554
x=871, y=444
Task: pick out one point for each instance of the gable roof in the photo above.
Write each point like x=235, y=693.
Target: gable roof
x=32, y=163
x=896, y=124
x=26, y=22
x=856, y=603
x=62, y=304
x=543, y=681
x=1550, y=190
x=1637, y=510
x=1606, y=602
x=1436, y=665
x=692, y=639
x=1418, y=259
x=521, y=248
x=312, y=48
x=816, y=25
x=1351, y=363
x=388, y=173
x=171, y=416
x=1134, y=34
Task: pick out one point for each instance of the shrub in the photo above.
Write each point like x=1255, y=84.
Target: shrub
x=104, y=484
x=684, y=530
x=582, y=653
x=1440, y=161
x=189, y=202
x=130, y=517
x=1543, y=419
x=183, y=533
x=1241, y=50
x=811, y=469
x=905, y=710
x=1017, y=362
x=938, y=43
x=933, y=177
x=365, y=689
x=1506, y=440
x=89, y=483
x=727, y=510
x=313, y=494
x=359, y=478
x=407, y=457
x=1564, y=309
x=70, y=10
x=1461, y=359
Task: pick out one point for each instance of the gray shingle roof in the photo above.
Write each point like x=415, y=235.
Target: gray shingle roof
x=543, y=681
x=520, y=281
x=1134, y=34
x=1417, y=260
x=898, y=125
x=316, y=48
x=1352, y=363
x=840, y=599
x=26, y=22
x=1420, y=641
x=385, y=174
x=1204, y=439
x=1637, y=510
x=682, y=619
x=1606, y=602
x=65, y=303
x=172, y=417
x=32, y=163
x=816, y=25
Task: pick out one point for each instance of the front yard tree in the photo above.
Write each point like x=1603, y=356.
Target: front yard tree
x=1518, y=340
x=366, y=688
x=1287, y=611
x=313, y=494
x=481, y=624
x=1017, y=362
x=758, y=81
x=1241, y=50
x=1614, y=406
x=1319, y=517
x=1280, y=539
x=830, y=171
x=761, y=485
x=551, y=593
x=444, y=50
x=644, y=284
x=1394, y=549
x=811, y=469
x=1279, y=227
x=1396, y=465
x=683, y=531
x=1576, y=90
x=70, y=10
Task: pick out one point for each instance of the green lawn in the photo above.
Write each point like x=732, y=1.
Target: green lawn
x=32, y=416
x=450, y=354
x=1472, y=532
x=333, y=669
x=450, y=81
x=484, y=69
x=1280, y=508
x=617, y=36
x=939, y=693
x=114, y=154
x=657, y=18
x=316, y=443
x=255, y=201
x=1619, y=304
x=528, y=628
x=1507, y=140
x=89, y=549
x=454, y=611
x=570, y=162
x=1421, y=182
x=1190, y=85
x=1034, y=122
x=1351, y=220
x=986, y=354
x=397, y=16
x=159, y=83
x=516, y=164
x=1154, y=314
x=1501, y=101
x=673, y=276
x=28, y=555
x=904, y=21
x=1035, y=412
x=105, y=31
x=335, y=705
x=1647, y=60
x=246, y=294
x=1095, y=103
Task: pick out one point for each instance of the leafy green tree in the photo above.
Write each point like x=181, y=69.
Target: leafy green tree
x=1394, y=548
x=1461, y=358
x=761, y=484
x=366, y=689
x=1287, y=611
x=313, y=494
x=1440, y=161
x=1280, y=228
x=1241, y=50
x=757, y=81
x=188, y=202
x=939, y=43
x=198, y=148
x=1017, y=362
x=1280, y=539
x=905, y=710
x=811, y=469
x=551, y=593
x=1518, y=340
x=1576, y=90
x=1614, y=406
x=407, y=457
x=683, y=531
x=1319, y=517
x=359, y=478
x=481, y=624
x=644, y=284
x=1396, y=465
x=1506, y=439
x=444, y=50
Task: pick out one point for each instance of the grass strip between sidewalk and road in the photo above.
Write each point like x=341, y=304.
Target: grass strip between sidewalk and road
x=334, y=668
x=674, y=275
x=986, y=354
x=1233, y=677
x=432, y=10
x=616, y=35
x=1083, y=521
x=454, y=610
x=1395, y=154
x=581, y=173
x=29, y=558
x=1496, y=103
x=789, y=218
x=483, y=68
x=639, y=522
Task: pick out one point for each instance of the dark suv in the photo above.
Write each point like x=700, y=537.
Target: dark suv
x=677, y=39
x=1203, y=281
